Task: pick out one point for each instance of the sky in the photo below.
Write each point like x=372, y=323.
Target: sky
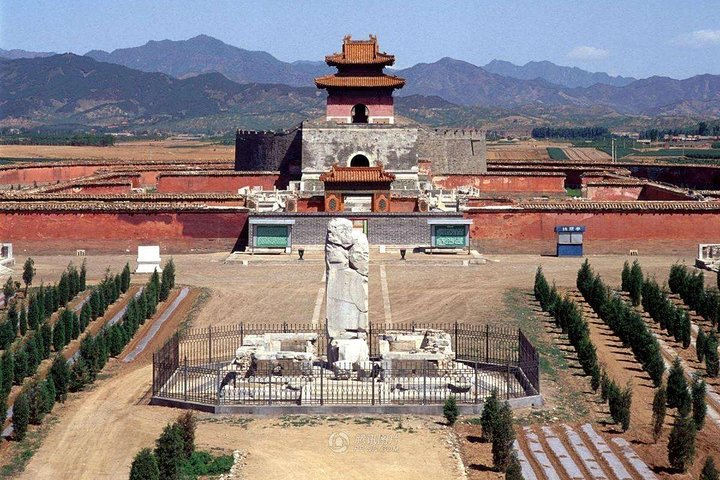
x=631, y=37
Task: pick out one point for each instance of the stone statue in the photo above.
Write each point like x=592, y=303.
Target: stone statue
x=347, y=266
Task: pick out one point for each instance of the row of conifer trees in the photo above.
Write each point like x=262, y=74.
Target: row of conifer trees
x=626, y=323
x=41, y=305
x=570, y=320
x=690, y=286
x=95, y=350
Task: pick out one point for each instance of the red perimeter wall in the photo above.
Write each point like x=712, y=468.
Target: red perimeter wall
x=607, y=232
x=45, y=232
x=504, y=183
x=215, y=183
x=46, y=174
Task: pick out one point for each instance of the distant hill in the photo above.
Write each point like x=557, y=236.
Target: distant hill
x=72, y=89
x=77, y=89
x=17, y=53
x=570, y=77
x=204, y=54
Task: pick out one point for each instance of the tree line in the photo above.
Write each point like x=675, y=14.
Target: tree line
x=96, y=350
x=570, y=132
x=75, y=140
x=570, y=320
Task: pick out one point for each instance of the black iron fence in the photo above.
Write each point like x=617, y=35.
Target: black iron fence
x=197, y=366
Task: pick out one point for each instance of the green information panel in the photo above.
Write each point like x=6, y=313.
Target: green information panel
x=271, y=236
x=450, y=235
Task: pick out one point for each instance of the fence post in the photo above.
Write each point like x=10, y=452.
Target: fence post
x=242, y=333
x=476, y=381
x=487, y=343
x=424, y=382
x=457, y=347
x=507, y=379
x=185, y=380
x=284, y=327
x=219, y=386
x=372, y=380
x=209, y=344
x=270, y=391
x=322, y=374
x=153, y=378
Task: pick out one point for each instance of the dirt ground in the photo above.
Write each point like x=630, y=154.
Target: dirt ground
x=84, y=442
x=170, y=149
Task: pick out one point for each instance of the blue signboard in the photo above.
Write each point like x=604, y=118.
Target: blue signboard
x=570, y=240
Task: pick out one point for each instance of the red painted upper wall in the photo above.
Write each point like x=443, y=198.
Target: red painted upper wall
x=504, y=183
x=229, y=183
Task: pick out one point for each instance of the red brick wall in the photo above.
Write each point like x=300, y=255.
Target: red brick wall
x=45, y=174
x=215, y=183
x=340, y=105
x=504, y=183
x=55, y=232
x=607, y=232
x=653, y=192
x=614, y=192
x=403, y=204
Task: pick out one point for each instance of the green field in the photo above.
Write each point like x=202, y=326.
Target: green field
x=556, y=153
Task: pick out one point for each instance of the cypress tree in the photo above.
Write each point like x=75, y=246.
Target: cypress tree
x=700, y=345
x=686, y=330
x=75, y=326
x=677, y=388
x=33, y=319
x=514, y=471
x=85, y=315
x=187, y=424
x=73, y=281
x=712, y=365
x=8, y=369
x=58, y=336
x=503, y=438
x=63, y=289
x=50, y=397
x=49, y=307
x=83, y=276
x=145, y=466
x=40, y=300
x=21, y=366
x=490, y=415
x=709, y=472
x=699, y=407
x=28, y=273
x=636, y=281
x=37, y=403
x=169, y=451
x=125, y=278
x=23, y=321
x=21, y=416
x=56, y=298
x=118, y=286
x=625, y=277
x=34, y=354
x=681, y=446
x=659, y=411
x=12, y=317
x=60, y=375
x=46, y=334
x=6, y=335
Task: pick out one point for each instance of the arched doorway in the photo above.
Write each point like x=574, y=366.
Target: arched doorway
x=359, y=160
x=360, y=113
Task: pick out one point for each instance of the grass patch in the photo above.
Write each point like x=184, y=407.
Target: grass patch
x=239, y=421
x=22, y=452
x=205, y=464
x=556, y=153
x=369, y=420
x=573, y=192
x=298, y=421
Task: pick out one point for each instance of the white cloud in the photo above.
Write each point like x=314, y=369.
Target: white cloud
x=588, y=53
x=698, y=38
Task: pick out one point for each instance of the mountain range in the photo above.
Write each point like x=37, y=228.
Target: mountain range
x=180, y=82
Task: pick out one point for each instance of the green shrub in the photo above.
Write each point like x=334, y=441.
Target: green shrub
x=503, y=438
x=709, y=472
x=489, y=416
x=203, y=463
x=170, y=452
x=514, y=471
x=450, y=410
x=699, y=407
x=145, y=466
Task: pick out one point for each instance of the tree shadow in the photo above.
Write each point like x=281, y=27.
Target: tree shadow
x=474, y=439
x=481, y=468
